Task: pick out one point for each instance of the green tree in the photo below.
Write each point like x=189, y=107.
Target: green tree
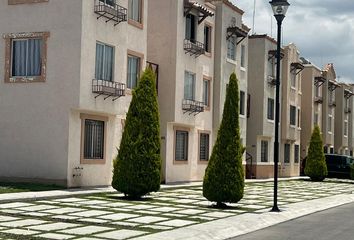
x=137, y=167
x=316, y=167
x=224, y=176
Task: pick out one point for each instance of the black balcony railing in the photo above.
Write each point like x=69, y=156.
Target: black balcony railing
x=332, y=103
x=193, y=47
x=111, y=11
x=192, y=107
x=108, y=89
x=271, y=81
x=318, y=99
x=347, y=110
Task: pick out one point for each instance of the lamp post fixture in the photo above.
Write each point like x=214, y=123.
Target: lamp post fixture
x=280, y=8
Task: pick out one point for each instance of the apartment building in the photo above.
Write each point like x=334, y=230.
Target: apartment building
x=351, y=123
x=181, y=42
x=328, y=107
x=261, y=88
x=343, y=95
x=69, y=68
x=291, y=95
x=312, y=82
x=231, y=55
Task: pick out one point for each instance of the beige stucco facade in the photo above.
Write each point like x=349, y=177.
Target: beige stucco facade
x=41, y=123
x=261, y=87
x=291, y=95
x=312, y=83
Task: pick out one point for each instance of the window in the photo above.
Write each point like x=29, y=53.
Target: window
x=317, y=91
x=93, y=133
x=181, y=149
x=206, y=92
x=292, y=115
x=346, y=103
x=264, y=151
x=286, y=153
x=243, y=56
x=191, y=27
x=104, y=62
x=331, y=96
x=109, y=2
x=231, y=47
x=296, y=153
x=189, y=86
x=133, y=71
x=345, y=128
x=271, y=67
x=293, y=80
x=330, y=118
x=135, y=10
x=242, y=102
x=207, y=38
x=204, y=147
x=298, y=117
x=270, y=112
x=25, y=57
x=325, y=149
x=316, y=119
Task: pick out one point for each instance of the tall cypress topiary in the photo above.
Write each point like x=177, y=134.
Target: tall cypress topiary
x=137, y=168
x=316, y=167
x=224, y=176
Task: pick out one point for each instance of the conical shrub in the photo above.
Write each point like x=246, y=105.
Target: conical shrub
x=316, y=167
x=137, y=167
x=224, y=176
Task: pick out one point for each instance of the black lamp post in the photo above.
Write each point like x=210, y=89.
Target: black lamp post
x=280, y=8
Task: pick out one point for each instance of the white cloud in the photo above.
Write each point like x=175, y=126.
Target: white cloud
x=323, y=30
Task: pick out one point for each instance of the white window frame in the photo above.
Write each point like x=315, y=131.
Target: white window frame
x=264, y=151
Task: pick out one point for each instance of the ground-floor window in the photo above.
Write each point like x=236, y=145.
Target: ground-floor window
x=296, y=153
x=286, y=153
x=204, y=146
x=181, y=145
x=264, y=151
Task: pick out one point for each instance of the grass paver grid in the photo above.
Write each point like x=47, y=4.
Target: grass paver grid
x=109, y=216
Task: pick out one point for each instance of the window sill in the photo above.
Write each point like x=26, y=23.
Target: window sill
x=207, y=108
x=180, y=162
x=242, y=116
x=293, y=88
x=243, y=69
x=93, y=161
x=229, y=60
x=270, y=121
x=136, y=24
x=208, y=54
x=203, y=162
x=293, y=126
x=25, y=79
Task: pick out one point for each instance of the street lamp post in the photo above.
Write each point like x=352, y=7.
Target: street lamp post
x=280, y=8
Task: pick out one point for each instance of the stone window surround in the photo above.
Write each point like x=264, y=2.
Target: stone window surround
x=14, y=2
x=83, y=117
x=8, y=58
x=140, y=24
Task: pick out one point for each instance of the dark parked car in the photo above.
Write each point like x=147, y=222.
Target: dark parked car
x=338, y=165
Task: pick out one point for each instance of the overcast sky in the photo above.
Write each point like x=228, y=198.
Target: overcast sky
x=323, y=30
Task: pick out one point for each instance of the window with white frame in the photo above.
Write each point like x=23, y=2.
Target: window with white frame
x=271, y=67
x=286, y=153
x=206, y=92
x=293, y=79
x=346, y=128
x=204, y=146
x=264, y=151
x=231, y=47
x=135, y=10
x=104, y=62
x=243, y=56
x=189, y=86
x=26, y=57
x=242, y=102
x=330, y=120
x=181, y=145
x=292, y=115
x=133, y=71
x=270, y=111
x=298, y=118
x=315, y=121
x=318, y=91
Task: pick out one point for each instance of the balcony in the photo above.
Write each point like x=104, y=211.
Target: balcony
x=318, y=100
x=108, y=89
x=332, y=85
x=347, y=110
x=110, y=11
x=296, y=67
x=193, y=47
x=319, y=80
x=192, y=107
x=271, y=81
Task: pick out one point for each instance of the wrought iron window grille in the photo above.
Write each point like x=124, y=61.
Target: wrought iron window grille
x=108, y=89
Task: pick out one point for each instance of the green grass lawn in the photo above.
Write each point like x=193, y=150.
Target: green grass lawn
x=26, y=187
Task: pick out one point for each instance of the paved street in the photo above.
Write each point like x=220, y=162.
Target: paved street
x=336, y=223
x=108, y=216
